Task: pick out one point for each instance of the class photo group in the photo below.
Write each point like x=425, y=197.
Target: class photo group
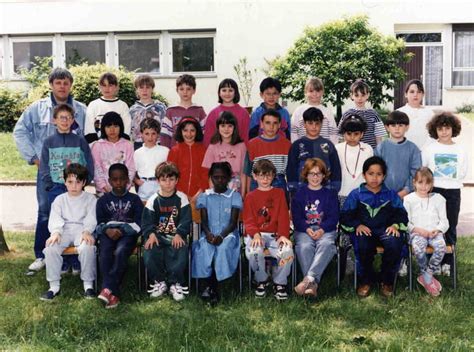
x=194, y=189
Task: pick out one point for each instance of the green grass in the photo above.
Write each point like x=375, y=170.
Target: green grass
x=336, y=320
x=13, y=167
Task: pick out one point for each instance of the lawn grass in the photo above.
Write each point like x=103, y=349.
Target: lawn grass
x=335, y=321
x=13, y=167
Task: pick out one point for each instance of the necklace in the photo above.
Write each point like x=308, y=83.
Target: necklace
x=357, y=161
x=427, y=203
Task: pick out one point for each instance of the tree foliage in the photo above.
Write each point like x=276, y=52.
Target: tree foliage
x=339, y=52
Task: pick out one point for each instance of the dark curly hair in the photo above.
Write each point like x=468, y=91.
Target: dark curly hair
x=444, y=118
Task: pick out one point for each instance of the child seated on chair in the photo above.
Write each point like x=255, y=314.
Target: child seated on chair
x=374, y=215
x=427, y=222
x=315, y=212
x=216, y=254
x=119, y=214
x=71, y=223
x=166, y=223
x=267, y=227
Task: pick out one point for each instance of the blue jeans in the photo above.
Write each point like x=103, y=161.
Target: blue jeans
x=315, y=255
x=113, y=259
x=41, y=231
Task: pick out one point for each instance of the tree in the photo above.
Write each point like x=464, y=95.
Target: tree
x=339, y=52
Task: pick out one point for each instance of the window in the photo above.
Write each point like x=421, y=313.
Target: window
x=1, y=58
x=82, y=51
x=193, y=54
x=463, y=55
x=24, y=52
x=140, y=54
x=420, y=37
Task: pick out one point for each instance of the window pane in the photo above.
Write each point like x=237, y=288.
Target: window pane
x=24, y=53
x=85, y=51
x=420, y=37
x=434, y=75
x=463, y=78
x=142, y=55
x=464, y=49
x=193, y=54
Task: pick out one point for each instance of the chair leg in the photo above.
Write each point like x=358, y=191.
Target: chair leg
x=355, y=274
x=338, y=269
x=139, y=266
x=454, y=271
x=240, y=273
x=410, y=269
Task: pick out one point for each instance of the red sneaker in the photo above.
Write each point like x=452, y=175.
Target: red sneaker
x=113, y=302
x=430, y=288
x=104, y=295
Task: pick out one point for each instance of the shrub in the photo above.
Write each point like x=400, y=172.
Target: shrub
x=11, y=107
x=465, y=108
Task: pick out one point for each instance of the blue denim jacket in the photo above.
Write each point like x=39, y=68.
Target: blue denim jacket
x=36, y=124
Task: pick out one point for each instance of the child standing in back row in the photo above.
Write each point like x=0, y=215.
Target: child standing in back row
x=314, y=91
x=375, y=131
x=449, y=163
x=427, y=222
x=186, y=88
x=229, y=98
x=109, y=87
x=144, y=108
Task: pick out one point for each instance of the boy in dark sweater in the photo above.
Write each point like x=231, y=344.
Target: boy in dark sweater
x=313, y=146
x=119, y=215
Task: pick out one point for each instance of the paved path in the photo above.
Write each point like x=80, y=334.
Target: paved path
x=18, y=209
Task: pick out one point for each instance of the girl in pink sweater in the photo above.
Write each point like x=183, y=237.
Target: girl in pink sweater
x=229, y=97
x=112, y=148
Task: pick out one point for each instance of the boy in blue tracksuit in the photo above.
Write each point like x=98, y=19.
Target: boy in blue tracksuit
x=374, y=215
x=30, y=132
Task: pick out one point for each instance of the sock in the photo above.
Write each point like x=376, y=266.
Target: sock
x=54, y=286
x=88, y=285
x=310, y=278
x=427, y=277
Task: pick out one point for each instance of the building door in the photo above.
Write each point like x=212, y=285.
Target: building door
x=413, y=69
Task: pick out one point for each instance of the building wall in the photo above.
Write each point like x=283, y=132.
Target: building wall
x=257, y=29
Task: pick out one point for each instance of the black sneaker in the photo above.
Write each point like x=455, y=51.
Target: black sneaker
x=90, y=294
x=214, y=299
x=206, y=294
x=261, y=290
x=280, y=292
x=48, y=296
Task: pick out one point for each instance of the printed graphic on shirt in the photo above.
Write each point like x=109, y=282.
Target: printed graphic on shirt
x=445, y=165
x=313, y=216
x=60, y=158
x=119, y=210
x=167, y=225
x=264, y=213
x=226, y=155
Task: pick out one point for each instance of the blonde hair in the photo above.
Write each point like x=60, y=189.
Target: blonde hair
x=315, y=83
x=423, y=173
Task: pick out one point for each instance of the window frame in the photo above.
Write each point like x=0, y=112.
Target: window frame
x=30, y=39
x=85, y=37
x=453, y=60
x=191, y=35
x=139, y=36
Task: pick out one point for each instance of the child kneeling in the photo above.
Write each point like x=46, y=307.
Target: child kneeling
x=267, y=225
x=72, y=222
x=315, y=213
x=219, y=245
x=166, y=223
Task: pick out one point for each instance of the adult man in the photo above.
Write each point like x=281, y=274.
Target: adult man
x=33, y=127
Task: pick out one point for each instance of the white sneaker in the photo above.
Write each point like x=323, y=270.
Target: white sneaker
x=158, y=289
x=403, y=270
x=446, y=270
x=37, y=265
x=177, y=292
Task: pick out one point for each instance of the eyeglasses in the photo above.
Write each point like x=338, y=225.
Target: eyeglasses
x=315, y=174
x=64, y=117
x=263, y=176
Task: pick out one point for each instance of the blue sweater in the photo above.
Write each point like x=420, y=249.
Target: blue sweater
x=123, y=212
x=305, y=148
x=60, y=150
x=254, y=126
x=403, y=159
x=377, y=211
x=315, y=209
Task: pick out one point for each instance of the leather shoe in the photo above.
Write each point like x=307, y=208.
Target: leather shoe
x=363, y=290
x=386, y=290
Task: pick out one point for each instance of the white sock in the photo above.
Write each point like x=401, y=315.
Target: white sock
x=88, y=285
x=54, y=286
x=310, y=278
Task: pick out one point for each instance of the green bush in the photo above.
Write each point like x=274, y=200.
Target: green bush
x=11, y=107
x=465, y=108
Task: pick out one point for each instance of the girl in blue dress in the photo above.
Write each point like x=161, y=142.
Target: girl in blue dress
x=216, y=253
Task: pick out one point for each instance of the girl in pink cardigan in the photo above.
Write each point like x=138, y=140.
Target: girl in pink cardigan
x=110, y=149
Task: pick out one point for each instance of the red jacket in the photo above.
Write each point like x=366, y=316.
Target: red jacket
x=189, y=159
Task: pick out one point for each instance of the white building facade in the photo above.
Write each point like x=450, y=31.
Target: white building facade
x=207, y=38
